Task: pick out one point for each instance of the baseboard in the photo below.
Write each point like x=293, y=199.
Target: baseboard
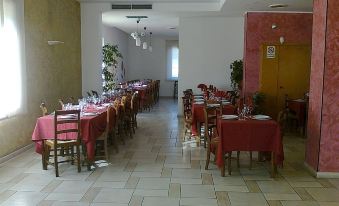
x=320, y=175
x=15, y=153
x=310, y=169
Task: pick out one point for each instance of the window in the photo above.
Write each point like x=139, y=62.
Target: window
x=172, y=60
x=11, y=57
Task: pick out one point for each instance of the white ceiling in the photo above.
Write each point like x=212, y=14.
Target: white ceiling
x=166, y=13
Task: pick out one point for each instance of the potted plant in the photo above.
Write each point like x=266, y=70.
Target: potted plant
x=237, y=74
x=236, y=79
x=110, y=59
x=258, y=100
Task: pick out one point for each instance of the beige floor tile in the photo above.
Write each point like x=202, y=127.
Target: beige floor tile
x=252, y=186
x=246, y=199
x=59, y=203
x=299, y=203
x=69, y=197
x=324, y=194
x=232, y=180
x=328, y=203
x=73, y=187
x=151, y=193
x=198, y=202
x=174, y=190
x=25, y=198
x=230, y=188
x=163, y=201
x=203, y=191
x=154, y=183
x=90, y=194
x=280, y=196
x=114, y=176
x=275, y=187
x=187, y=181
x=110, y=184
x=305, y=184
x=223, y=199
x=107, y=195
x=186, y=173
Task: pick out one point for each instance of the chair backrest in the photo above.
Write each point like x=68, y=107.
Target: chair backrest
x=89, y=94
x=67, y=125
x=211, y=114
x=43, y=108
x=111, y=119
x=61, y=102
x=135, y=103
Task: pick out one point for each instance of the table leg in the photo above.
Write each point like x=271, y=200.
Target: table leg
x=229, y=163
x=274, y=165
x=223, y=165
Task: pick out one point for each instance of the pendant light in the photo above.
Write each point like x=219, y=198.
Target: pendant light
x=150, y=48
x=136, y=35
x=144, y=45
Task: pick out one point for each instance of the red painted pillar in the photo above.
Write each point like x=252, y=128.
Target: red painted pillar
x=322, y=148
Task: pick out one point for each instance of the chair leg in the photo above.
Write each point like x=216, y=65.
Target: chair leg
x=114, y=140
x=106, y=151
x=208, y=157
x=72, y=154
x=43, y=156
x=223, y=166
x=238, y=159
x=78, y=157
x=251, y=157
x=229, y=163
x=56, y=161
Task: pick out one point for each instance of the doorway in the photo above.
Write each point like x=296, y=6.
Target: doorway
x=285, y=72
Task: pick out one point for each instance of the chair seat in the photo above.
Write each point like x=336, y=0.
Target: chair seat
x=61, y=142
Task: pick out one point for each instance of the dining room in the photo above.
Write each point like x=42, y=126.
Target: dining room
x=168, y=102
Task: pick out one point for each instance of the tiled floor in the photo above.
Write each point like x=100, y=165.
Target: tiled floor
x=156, y=168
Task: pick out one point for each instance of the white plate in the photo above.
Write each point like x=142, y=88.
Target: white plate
x=225, y=102
x=261, y=117
x=89, y=114
x=213, y=105
x=229, y=117
x=198, y=102
x=68, y=116
x=198, y=97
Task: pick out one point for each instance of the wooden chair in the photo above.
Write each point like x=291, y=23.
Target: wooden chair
x=72, y=119
x=135, y=109
x=211, y=139
x=119, y=127
x=127, y=111
x=61, y=103
x=101, y=149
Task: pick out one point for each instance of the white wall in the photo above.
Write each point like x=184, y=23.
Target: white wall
x=208, y=45
x=91, y=43
x=115, y=36
x=143, y=64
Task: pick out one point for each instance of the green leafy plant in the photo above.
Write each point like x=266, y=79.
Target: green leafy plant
x=111, y=55
x=258, y=100
x=236, y=74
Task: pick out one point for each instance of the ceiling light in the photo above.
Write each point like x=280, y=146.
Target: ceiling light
x=276, y=6
x=150, y=48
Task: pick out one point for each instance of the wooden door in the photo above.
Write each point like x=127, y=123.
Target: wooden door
x=287, y=73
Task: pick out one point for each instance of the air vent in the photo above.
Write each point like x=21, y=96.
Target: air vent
x=276, y=6
x=136, y=17
x=131, y=6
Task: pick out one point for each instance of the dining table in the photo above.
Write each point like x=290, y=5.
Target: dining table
x=198, y=116
x=93, y=123
x=249, y=135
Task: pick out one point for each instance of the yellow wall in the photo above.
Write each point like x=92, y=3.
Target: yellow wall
x=51, y=71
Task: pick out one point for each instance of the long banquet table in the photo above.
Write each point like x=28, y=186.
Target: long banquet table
x=91, y=128
x=249, y=135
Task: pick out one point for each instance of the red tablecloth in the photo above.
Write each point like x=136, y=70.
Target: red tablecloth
x=199, y=117
x=249, y=135
x=91, y=128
